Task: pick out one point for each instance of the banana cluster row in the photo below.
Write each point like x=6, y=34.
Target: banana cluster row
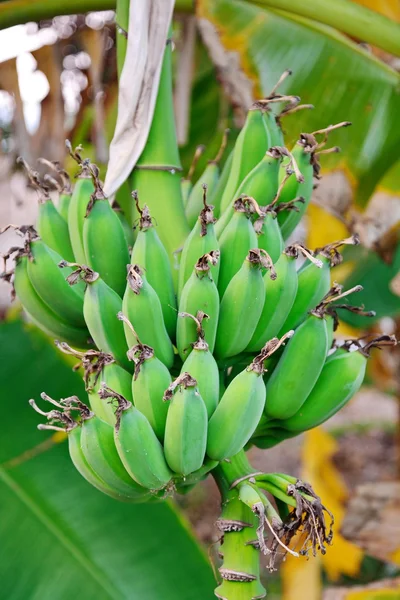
x=190, y=358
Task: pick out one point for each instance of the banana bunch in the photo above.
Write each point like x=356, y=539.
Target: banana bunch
x=190, y=357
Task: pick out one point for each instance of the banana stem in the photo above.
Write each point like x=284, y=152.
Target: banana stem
x=240, y=570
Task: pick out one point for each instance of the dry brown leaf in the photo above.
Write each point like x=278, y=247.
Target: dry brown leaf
x=148, y=26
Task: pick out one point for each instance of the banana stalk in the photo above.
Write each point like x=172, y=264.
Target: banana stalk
x=240, y=570
x=157, y=175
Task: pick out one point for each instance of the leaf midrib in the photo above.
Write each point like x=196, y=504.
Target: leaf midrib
x=62, y=538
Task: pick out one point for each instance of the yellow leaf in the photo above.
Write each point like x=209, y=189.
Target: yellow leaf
x=396, y=557
x=323, y=227
x=300, y=574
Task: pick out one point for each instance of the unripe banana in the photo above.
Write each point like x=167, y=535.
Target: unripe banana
x=269, y=237
x=82, y=466
x=99, y=449
x=261, y=184
x=142, y=307
x=65, y=190
x=151, y=379
x=138, y=447
x=51, y=226
x=280, y=295
x=83, y=190
x=303, y=155
x=306, y=153
x=298, y=368
x=101, y=368
x=245, y=295
x=209, y=177
x=186, y=483
x=202, y=366
x=50, y=284
x=104, y=239
x=97, y=444
x=186, y=182
x=115, y=377
x=340, y=378
x=274, y=130
x=39, y=312
x=128, y=231
x=313, y=283
x=216, y=196
x=126, y=491
x=201, y=240
x=149, y=252
x=199, y=295
x=101, y=305
x=186, y=429
x=236, y=240
x=250, y=147
x=240, y=408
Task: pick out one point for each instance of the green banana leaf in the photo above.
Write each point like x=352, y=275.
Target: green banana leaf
x=343, y=81
x=59, y=537
x=375, y=276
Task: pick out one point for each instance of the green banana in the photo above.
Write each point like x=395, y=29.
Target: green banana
x=209, y=177
x=39, y=312
x=186, y=483
x=313, y=283
x=112, y=375
x=83, y=190
x=269, y=237
x=186, y=428
x=202, y=366
x=50, y=284
x=82, y=466
x=244, y=295
x=99, y=449
x=250, y=147
x=235, y=242
x=199, y=295
x=101, y=368
x=50, y=225
x=151, y=379
x=142, y=307
x=303, y=359
x=128, y=231
x=240, y=408
x=298, y=368
x=261, y=184
x=186, y=182
x=280, y=295
x=138, y=447
x=104, y=242
x=101, y=305
x=97, y=445
x=307, y=159
x=150, y=254
x=216, y=196
x=340, y=378
x=201, y=240
x=65, y=190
